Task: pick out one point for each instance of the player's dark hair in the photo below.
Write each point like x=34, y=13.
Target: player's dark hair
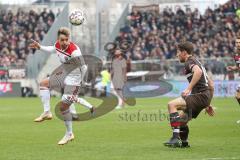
x=185, y=46
x=63, y=30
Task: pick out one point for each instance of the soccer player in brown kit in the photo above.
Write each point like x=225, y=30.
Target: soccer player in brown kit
x=196, y=97
x=237, y=67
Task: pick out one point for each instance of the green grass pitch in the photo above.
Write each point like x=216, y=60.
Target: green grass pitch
x=118, y=135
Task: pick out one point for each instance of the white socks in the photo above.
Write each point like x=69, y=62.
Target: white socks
x=120, y=101
x=45, y=97
x=73, y=109
x=68, y=125
x=119, y=95
x=84, y=103
x=67, y=117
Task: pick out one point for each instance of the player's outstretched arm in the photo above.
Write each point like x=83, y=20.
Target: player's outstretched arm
x=36, y=45
x=211, y=86
x=197, y=73
x=209, y=109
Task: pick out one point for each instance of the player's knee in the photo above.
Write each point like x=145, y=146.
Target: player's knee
x=43, y=84
x=171, y=105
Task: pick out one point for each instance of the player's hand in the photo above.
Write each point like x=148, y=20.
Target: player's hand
x=210, y=111
x=34, y=44
x=186, y=92
x=231, y=68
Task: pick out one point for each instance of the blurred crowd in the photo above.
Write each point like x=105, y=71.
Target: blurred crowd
x=16, y=30
x=154, y=35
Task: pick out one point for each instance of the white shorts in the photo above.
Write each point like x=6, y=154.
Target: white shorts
x=73, y=80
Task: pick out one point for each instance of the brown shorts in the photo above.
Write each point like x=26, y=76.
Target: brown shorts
x=197, y=102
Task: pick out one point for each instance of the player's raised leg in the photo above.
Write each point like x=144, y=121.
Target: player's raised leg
x=45, y=98
x=83, y=102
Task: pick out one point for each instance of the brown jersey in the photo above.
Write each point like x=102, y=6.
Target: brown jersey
x=202, y=84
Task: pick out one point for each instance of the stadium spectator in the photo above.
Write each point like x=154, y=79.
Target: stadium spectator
x=16, y=29
x=154, y=35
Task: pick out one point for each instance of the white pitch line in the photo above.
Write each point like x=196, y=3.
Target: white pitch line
x=221, y=158
x=218, y=158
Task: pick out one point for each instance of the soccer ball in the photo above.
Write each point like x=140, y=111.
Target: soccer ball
x=76, y=17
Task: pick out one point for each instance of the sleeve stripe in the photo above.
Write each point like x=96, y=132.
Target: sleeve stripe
x=191, y=66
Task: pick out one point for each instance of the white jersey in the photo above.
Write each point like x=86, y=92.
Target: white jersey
x=64, y=55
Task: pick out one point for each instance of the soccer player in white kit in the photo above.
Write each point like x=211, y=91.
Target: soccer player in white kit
x=65, y=50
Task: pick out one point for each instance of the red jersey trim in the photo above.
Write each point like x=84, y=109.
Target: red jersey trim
x=70, y=49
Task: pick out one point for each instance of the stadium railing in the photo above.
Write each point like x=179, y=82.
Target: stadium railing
x=175, y=70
